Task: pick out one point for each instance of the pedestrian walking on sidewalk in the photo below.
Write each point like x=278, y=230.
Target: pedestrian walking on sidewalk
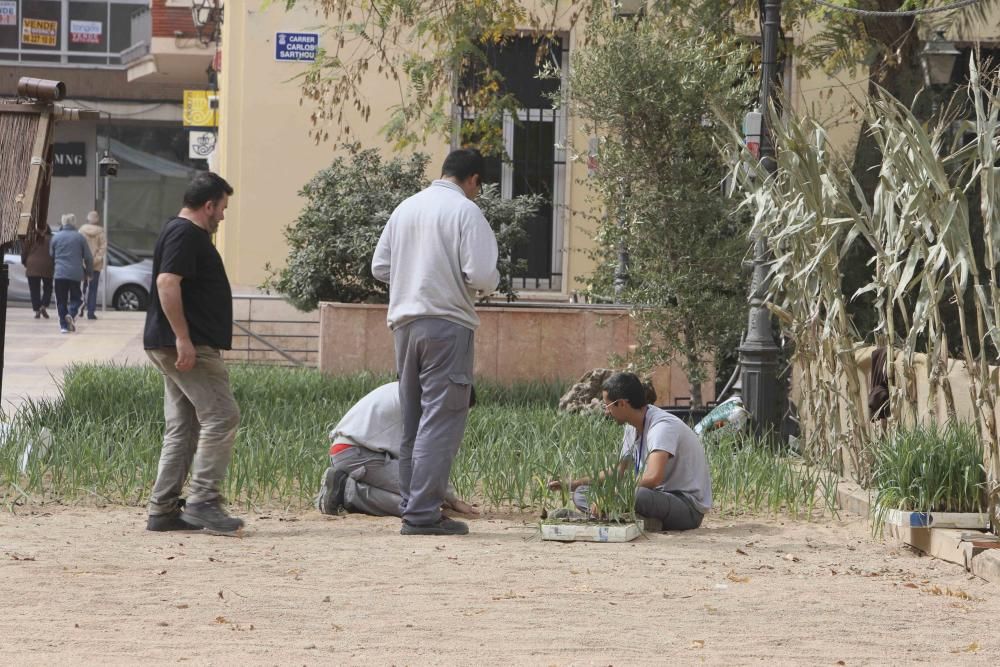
x=39, y=269
x=97, y=241
x=436, y=251
x=73, y=261
x=189, y=320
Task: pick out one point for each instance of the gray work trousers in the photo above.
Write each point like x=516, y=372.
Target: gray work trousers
x=674, y=510
x=434, y=359
x=373, y=481
x=200, y=421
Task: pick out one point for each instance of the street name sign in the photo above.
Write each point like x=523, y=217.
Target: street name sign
x=296, y=46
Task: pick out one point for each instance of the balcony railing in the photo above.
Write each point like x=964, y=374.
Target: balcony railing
x=142, y=35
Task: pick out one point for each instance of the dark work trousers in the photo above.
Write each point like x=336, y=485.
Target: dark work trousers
x=434, y=359
x=41, y=292
x=674, y=510
x=90, y=292
x=67, y=299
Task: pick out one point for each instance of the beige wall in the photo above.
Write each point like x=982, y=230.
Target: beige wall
x=266, y=152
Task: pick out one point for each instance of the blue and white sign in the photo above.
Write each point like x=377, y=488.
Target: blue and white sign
x=296, y=46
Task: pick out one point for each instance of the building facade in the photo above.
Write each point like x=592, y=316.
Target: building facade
x=131, y=60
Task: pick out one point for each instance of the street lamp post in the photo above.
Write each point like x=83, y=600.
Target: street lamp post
x=937, y=60
x=759, y=353
x=107, y=169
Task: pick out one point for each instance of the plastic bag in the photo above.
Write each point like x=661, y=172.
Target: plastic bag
x=729, y=415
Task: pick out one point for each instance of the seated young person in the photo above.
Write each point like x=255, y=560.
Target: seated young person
x=674, y=486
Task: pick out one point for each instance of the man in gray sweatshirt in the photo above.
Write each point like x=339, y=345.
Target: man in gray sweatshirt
x=73, y=262
x=436, y=251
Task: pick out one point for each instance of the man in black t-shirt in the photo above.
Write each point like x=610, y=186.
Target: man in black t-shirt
x=190, y=318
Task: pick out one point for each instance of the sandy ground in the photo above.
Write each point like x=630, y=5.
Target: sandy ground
x=86, y=585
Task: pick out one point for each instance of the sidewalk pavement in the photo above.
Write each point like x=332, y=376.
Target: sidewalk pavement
x=36, y=354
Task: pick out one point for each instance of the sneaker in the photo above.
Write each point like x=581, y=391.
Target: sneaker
x=38, y=313
x=70, y=323
x=210, y=516
x=44, y=313
x=331, y=491
x=444, y=526
x=91, y=317
x=63, y=330
x=161, y=523
x=651, y=525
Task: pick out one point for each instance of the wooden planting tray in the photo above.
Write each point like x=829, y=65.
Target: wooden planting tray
x=587, y=531
x=937, y=519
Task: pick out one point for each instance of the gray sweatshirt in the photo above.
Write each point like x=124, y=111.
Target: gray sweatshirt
x=436, y=250
x=70, y=252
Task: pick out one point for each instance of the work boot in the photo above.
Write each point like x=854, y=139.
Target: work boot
x=210, y=516
x=444, y=526
x=331, y=491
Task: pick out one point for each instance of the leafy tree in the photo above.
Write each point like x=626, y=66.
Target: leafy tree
x=649, y=90
x=331, y=243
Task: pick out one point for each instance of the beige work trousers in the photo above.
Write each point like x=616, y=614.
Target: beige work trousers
x=201, y=418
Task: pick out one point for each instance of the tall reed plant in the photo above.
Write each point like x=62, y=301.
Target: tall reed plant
x=930, y=293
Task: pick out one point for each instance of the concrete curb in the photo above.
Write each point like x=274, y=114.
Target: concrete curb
x=943, y=543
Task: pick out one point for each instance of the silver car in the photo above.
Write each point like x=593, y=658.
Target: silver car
x=126, y=279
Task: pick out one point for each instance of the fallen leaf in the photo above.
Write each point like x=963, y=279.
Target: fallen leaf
x=221, y=596
x=740, y=551
x=182, y=606
x=732, y=576
x=792, y=558
x=840, y=662
x=910, y=584
x=326, y=599
x=162, y=572
x=698, y=643
x=221, y=619
x=971, y=648
x=163, y=624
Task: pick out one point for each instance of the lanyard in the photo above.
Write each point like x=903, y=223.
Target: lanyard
x=642, y=443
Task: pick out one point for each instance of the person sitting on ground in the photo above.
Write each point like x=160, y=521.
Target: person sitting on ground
x=674, y=485
x=363, y=476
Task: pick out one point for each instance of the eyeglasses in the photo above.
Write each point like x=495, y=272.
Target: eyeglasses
x=607, y=406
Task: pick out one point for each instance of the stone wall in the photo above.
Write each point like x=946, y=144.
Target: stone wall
x=519, y=342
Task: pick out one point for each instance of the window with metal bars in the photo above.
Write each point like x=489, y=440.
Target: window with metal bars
x=533, y=134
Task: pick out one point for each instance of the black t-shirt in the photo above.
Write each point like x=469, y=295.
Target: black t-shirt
x=186, y=249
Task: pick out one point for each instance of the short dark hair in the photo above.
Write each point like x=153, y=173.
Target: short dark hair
x=627, y=386
x=205, y=187
x=463, y=163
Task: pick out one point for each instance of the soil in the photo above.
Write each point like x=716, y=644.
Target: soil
x=87, y=585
